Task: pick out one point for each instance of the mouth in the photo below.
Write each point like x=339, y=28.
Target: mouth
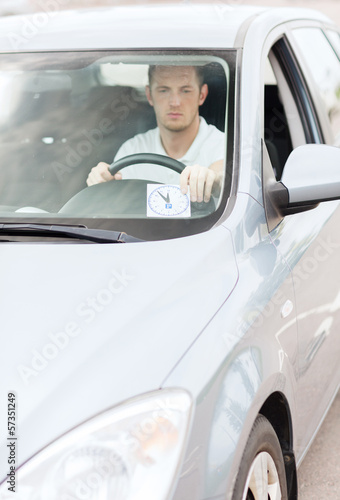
x=174, y=115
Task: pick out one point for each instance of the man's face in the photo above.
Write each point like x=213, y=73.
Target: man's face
x=175, y=94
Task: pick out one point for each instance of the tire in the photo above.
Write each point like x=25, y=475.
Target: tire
x=262, y=460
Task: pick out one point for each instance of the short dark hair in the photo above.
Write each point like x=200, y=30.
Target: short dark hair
x=199, y=72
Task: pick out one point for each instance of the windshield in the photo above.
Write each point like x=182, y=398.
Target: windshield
x=108, y=140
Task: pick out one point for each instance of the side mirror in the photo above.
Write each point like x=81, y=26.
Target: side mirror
x=310, y=176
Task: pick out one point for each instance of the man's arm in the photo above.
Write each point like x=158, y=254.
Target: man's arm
x=202, y=180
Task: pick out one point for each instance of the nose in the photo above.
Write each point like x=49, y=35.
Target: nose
x=174, y=99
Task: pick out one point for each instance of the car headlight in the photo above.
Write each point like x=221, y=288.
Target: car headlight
x=129, y=452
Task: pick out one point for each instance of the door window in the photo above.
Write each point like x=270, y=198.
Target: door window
x=289, y=116
x=324, y=66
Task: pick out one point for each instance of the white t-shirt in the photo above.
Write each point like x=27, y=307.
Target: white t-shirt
x=208, y=147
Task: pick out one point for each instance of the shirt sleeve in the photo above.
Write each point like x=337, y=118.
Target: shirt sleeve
x=217, y=146
x=125, y=149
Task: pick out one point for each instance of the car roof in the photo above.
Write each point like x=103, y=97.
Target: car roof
x=185, y=25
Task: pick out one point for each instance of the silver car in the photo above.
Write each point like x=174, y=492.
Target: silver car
x=156, y=346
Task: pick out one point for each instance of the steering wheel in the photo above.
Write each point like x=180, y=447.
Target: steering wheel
x=163, y=161
x=126, y=196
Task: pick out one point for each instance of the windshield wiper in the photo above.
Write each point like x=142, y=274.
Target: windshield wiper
x=77, y=232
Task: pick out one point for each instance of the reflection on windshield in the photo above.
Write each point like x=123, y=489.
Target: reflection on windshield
x=64, y=120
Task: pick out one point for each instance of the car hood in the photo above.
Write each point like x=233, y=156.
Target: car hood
x=88, y=326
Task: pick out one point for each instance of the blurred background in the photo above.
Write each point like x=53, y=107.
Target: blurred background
x=9, y=7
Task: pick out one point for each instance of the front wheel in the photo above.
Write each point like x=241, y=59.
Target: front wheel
x=262, y=472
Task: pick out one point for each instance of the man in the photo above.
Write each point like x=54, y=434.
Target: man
x=176, y=93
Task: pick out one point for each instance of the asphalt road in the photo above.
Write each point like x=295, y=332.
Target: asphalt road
x=319, y=474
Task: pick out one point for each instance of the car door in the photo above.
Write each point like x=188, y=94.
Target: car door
x=310, y=240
